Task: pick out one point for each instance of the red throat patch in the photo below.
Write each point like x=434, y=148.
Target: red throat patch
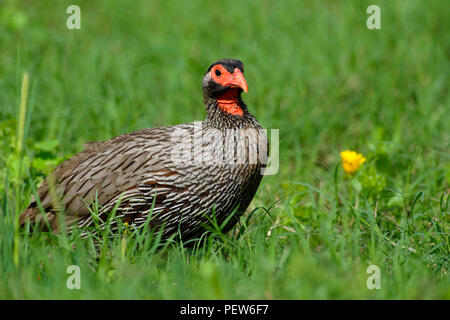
x=229, y=102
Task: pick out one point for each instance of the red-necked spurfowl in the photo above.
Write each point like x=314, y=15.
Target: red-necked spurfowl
x=186, y=171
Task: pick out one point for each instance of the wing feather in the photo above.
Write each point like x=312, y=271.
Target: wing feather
x=106, y=169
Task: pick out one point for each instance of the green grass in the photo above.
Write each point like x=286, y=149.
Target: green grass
x=314, y=71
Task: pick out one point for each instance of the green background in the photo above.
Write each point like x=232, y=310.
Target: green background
x=314, y=71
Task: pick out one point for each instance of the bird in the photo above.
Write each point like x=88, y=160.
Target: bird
x=176, y=176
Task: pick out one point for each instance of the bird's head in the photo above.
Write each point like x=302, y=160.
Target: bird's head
x=222, y=86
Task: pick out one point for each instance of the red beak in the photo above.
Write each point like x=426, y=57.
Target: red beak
x=238, y=81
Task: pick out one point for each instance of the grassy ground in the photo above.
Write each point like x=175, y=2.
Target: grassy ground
x=314, y=71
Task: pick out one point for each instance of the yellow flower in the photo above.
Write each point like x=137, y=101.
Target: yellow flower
x=126, y=231
x=351, y=160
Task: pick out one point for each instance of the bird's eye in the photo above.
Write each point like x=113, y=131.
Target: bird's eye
x=218, y=73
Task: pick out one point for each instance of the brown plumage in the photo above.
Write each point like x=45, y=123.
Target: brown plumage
x=186, y=169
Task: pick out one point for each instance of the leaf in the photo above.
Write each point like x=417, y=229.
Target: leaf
x=47, y=145
x=45, y=165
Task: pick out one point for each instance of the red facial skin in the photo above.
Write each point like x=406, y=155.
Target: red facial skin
x=228, y=101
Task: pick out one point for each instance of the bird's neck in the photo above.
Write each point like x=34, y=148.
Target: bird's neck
x=231, y=102
x=227, y=111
